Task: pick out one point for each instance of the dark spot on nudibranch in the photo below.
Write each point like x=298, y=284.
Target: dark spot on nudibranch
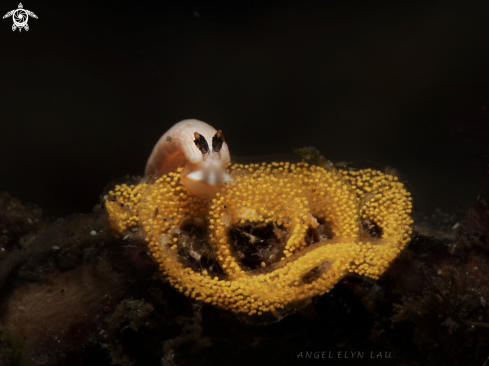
x=201, y=143
x=217, y=141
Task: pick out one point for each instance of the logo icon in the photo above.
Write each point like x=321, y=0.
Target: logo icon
x=20, y=17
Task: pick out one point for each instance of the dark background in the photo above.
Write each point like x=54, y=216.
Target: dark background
x=89, y=89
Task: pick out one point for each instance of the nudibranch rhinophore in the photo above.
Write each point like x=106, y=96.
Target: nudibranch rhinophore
x=274, y=237
x=199, y=149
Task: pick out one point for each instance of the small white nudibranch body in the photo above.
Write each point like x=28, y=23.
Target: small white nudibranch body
x=199, y=149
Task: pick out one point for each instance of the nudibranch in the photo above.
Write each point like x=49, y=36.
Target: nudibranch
x=275, y=237
x=197, y=147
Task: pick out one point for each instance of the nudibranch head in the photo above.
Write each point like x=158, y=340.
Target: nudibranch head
x=197, y=147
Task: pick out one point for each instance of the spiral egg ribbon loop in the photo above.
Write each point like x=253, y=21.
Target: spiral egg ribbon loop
x=293, y=196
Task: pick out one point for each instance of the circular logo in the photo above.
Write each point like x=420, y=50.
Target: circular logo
x=20, y=17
